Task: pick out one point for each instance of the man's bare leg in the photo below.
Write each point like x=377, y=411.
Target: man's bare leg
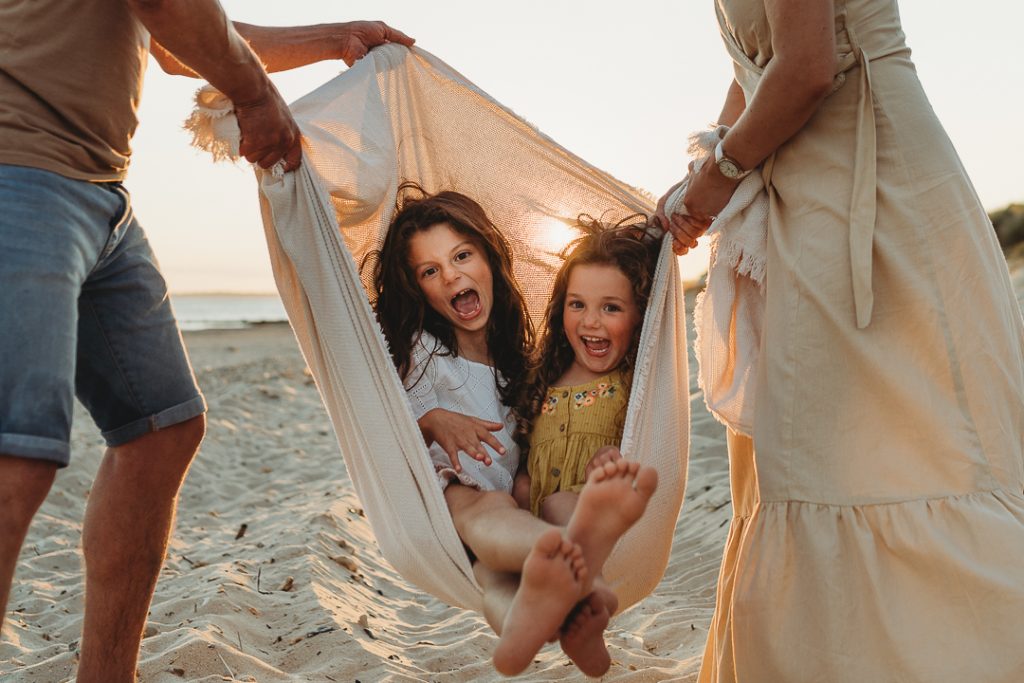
x=127, y=523
x=550, y=584
x=24, y=484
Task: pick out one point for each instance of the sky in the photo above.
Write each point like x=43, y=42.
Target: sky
x=620, y=84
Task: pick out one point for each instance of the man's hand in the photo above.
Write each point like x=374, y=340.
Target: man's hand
x=268, y=131
x=455, y=432
x=359, y=37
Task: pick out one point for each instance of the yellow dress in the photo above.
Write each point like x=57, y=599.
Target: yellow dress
x=573, y=423
x=879, y=518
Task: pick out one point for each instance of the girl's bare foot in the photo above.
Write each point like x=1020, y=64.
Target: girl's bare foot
x=614, y=498
x=552, y=582
x=582, y=638
x=601, y=456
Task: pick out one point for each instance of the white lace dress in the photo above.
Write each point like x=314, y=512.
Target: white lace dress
x=441, y=380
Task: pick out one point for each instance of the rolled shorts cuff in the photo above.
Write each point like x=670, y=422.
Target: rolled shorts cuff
x=165, y=418
x=36, y=448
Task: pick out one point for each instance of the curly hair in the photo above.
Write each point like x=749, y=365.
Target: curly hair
x=632, y=248
x=403, y=311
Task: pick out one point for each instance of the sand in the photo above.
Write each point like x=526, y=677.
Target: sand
x=273, y=573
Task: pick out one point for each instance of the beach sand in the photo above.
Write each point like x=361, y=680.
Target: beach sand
x=273, y=573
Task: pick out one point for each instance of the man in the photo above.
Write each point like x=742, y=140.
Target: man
x=83, y=307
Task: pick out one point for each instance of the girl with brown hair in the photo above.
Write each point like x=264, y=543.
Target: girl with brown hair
x=459, y=335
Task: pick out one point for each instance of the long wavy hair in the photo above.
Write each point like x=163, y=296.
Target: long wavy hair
x=403, y=310
x=631, y=247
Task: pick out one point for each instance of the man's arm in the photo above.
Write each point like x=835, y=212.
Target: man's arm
x=288, y=47
x=199, y=34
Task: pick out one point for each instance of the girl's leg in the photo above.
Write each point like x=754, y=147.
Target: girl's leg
x=551, y=583
x=558, y=507
x=499, y=591
x=521, y=489
x=495, y=528
x=614, y=498
x=582, y=636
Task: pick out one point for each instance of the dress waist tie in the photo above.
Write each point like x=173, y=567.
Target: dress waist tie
x=863, y=205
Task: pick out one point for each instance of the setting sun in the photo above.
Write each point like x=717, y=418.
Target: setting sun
x=553, y=234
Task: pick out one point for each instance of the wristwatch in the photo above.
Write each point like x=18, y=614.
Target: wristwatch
x=728, y=166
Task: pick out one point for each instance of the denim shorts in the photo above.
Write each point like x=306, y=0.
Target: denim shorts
x=84, y=312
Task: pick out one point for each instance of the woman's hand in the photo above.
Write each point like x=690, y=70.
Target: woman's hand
x=707, y=193
x=662, y=220
x=455, y=432
x=678, y=223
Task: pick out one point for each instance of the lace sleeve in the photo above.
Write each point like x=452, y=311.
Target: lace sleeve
x=420, y=382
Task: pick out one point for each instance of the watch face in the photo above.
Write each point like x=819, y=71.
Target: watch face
x=729, y=169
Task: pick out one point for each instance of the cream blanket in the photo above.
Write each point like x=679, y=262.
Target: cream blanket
x=404, y=115
x=729, y=314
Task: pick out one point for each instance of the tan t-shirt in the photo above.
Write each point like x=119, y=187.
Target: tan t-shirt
x=70, y=80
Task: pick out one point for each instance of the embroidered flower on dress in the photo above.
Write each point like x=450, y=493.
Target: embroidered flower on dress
x=582, y=399
x=549, y=405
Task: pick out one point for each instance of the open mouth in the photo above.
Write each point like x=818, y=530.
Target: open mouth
x=596, y=346
x=466, y=304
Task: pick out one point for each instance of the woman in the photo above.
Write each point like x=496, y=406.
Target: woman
x=879, y=517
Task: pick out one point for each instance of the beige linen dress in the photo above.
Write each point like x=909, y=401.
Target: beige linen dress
x=879, y=522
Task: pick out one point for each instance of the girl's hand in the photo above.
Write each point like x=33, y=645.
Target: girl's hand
x=455, y=432
x=601, y=456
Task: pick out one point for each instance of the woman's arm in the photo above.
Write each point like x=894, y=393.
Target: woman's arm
x=798, y=77
x=796, y=80
x=735, y=103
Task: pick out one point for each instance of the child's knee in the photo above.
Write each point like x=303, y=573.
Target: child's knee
x=497, y=500
x=558, y=507
x=521, y=491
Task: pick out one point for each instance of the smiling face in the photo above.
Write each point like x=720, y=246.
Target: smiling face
x=454, y=275
x=599, y=317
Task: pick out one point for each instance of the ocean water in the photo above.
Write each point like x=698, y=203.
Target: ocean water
x=226, y=311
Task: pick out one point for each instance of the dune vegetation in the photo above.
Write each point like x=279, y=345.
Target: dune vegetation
x=1009, y=225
